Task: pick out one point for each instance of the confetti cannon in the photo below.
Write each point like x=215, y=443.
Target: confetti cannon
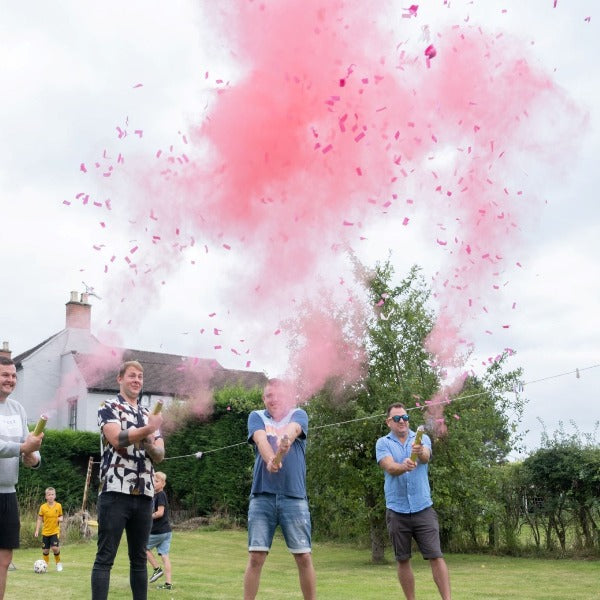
x=41, y=424
x=279, y=455
x=418, y=438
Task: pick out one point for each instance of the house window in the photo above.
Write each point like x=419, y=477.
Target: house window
x=72, y=402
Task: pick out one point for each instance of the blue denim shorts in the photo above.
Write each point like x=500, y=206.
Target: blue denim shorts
x=266, y=511
x=160, y=541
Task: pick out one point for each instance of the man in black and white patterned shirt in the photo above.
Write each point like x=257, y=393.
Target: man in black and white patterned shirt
x=131, y=444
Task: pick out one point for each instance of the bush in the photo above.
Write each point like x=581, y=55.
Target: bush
x=65, y=456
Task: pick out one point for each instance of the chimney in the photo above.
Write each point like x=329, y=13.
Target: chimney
x=5, y=352
x=79, y=312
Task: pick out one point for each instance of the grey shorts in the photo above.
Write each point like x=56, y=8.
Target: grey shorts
x=423, y=526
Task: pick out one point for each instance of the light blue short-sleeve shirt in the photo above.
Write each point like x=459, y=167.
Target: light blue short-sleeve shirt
x=409, y=492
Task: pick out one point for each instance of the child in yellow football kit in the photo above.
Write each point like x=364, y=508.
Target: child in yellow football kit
x=50, y=516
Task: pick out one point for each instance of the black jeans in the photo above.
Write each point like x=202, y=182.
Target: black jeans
x=118, y=512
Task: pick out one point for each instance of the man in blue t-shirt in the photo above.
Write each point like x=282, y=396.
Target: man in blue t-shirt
x=409, y=508
x=278, y=495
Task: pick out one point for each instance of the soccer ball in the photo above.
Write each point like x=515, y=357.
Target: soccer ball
x=40, y=566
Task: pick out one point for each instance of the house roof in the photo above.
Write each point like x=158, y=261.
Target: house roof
x=21, y=357
x=165, y=374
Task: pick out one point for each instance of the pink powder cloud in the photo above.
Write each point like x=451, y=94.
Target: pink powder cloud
x=329, y=120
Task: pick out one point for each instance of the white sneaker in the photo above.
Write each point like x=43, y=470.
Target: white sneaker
x=59, y=566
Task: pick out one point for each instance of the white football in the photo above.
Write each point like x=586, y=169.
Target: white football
x=40, y=566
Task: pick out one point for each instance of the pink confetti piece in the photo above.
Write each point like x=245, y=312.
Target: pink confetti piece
x=405, y=221
x=235, y=351
x=212, y=314
x=217, y=347
x=411, y=11
x=133, y=250
x=347, y=223
x=457, y=417
x=277, y=332
x=83, y=168
x=138, y=85
x=327, y=149
x=217, y=331
x=360, y=136
x=139, y=132
x=66, y=202
x=430, y=52
x=248, y=363
x=441, y=243
x=227, y=246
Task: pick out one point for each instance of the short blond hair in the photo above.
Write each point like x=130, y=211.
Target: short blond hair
x=130, y=363
x=162, y=476
x=49, y=489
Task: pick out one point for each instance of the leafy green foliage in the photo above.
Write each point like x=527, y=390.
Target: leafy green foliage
x=65, y=456
x=219, y=481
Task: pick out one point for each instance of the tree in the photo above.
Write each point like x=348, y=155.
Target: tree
x=479, y=434
x=342, y=471
x=565, y=474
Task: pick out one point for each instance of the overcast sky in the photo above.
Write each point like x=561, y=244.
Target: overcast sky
x=71, y=75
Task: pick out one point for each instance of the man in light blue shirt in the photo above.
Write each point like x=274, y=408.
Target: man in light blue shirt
x=409, y=508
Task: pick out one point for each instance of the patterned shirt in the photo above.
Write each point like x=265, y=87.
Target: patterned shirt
x=126, y=470
x=50, y=515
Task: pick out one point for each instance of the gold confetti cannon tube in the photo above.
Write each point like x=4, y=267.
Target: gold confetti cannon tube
x=157, y=407
x=41, y=424
x=418, y=438
x=277, y=458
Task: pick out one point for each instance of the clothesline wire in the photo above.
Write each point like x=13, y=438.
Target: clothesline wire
x=369, y=417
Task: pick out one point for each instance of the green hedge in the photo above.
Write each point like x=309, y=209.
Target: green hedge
x=217, y=483
x=220, y=481
x=65, y=456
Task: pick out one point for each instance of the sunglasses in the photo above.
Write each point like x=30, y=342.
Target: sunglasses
x=398, y=418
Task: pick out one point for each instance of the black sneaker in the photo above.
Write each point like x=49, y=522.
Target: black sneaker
x=165, y=586
x=158, y=572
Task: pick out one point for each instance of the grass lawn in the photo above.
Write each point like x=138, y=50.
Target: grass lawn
x=209, y=565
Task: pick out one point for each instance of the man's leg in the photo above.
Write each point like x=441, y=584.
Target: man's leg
x=167, y=564
x=256, y=560
x=407, y=579
x=137, y=529
x=111, y=522
x=5, y=560
x=308, y=577
x=151, y=559
x=439, y=569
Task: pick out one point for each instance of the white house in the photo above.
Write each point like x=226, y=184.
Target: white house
x=69, y=374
